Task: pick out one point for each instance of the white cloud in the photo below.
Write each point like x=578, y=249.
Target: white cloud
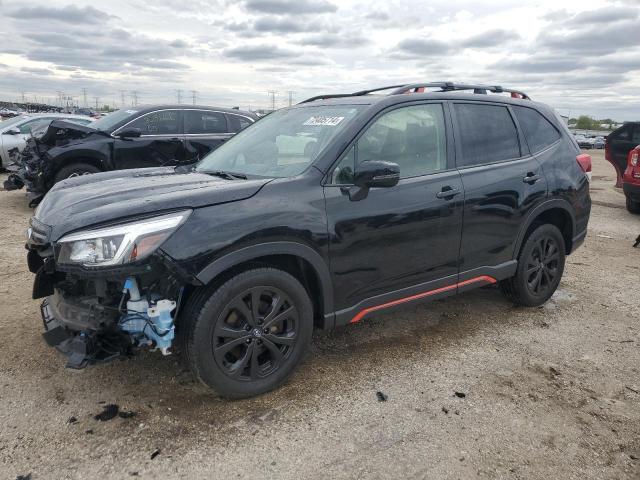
x=233, y=52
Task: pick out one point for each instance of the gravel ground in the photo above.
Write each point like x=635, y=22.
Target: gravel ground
x=550, y=392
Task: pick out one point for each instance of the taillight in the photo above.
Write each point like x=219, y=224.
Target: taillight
x=584, y=160
x=633, y=157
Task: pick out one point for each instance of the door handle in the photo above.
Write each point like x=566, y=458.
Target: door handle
x=448, y=193
x=531, y=178
x=175, y=139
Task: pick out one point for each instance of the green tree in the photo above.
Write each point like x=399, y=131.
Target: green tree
x=585, y=122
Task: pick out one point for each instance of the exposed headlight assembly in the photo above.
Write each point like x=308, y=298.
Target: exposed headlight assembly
x=118, y=244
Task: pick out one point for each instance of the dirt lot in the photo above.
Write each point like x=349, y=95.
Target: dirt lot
x=550, y=393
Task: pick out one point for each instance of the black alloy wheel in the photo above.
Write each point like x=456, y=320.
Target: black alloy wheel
x=255, y=334
x=246, y=335
x=542, y=265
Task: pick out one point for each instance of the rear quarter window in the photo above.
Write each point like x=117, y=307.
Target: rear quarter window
x=538, y=131
x=487, y=134
x=237, y=122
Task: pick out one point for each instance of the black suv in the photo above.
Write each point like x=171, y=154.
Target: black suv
x=136, y=137
x=318, y=215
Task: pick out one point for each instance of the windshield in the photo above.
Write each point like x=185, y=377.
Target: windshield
x=11, y=121
x=107, y=123
x=283, y=144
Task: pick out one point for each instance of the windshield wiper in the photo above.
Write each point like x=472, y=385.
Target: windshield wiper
x=224, y=174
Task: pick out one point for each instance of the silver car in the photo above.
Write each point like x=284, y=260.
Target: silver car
x=15, y=131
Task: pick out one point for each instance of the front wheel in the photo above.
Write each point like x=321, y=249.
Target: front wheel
x=247, y=336
x=632, y=205
x=540, y=268
x=75, y=170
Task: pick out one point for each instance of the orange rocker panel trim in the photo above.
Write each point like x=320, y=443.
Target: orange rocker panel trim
x=362, y=313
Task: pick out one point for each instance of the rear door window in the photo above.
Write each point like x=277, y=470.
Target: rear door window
x=202, y=122
x=486, y=134
x=538, y=131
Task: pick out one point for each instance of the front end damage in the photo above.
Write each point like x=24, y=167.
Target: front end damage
x=32, y=167
x=94, y=316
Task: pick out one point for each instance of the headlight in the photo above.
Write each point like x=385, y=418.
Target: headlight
x=118, y=244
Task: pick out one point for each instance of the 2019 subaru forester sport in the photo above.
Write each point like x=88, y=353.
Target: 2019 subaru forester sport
x=318, y=215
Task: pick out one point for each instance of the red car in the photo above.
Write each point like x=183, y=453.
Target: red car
x=631, y=181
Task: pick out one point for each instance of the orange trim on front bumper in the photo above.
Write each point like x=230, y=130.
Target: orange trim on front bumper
x=362, y=313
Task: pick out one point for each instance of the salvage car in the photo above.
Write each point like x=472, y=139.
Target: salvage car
x=618, y=145
x=319, y=215
x=137, y=137
x=631, y=181
x=15, y=131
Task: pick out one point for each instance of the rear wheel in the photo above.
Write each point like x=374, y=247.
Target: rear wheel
x=633, y=206
x=75, y=170
x=540, y=268
x=247, y=336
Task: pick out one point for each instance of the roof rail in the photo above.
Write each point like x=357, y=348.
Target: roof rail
x=419, y=88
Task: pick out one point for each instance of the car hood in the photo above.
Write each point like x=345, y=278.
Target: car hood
x=90, y=200
x=62, y=131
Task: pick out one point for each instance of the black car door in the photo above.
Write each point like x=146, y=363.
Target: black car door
x=620, y=143
x=161, y=141
x=403, y=239
x=502, y=184
x=205, y=130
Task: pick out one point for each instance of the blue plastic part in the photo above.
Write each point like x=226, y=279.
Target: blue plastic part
x=145, y=329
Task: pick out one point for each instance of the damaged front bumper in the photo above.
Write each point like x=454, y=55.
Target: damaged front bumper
x=81, y=347
x=101, y=316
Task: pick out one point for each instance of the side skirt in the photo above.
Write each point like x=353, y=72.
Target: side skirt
x=433, y=290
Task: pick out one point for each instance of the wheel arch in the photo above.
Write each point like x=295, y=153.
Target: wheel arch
x=556, y=212
x=297, y=259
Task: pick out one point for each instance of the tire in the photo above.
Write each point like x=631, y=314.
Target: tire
x=540, y=267
x=632, y=205
x=75, y=170
x=223, y=334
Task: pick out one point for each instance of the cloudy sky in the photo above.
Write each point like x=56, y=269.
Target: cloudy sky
x=580, y=56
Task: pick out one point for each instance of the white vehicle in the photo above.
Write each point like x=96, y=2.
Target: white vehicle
x=15, y=131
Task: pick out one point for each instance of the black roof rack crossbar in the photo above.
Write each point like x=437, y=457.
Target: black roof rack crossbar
x=443, y=86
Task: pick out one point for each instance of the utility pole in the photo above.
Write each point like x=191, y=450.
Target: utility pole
x=179, y=94
x=273, y=99
x=23, y=98
x=134, y=98
x=84, y=95
x=122, y=98
x=96, y=99
x=194, y=93
x=291, y=92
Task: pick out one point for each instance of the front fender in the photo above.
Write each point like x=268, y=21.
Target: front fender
x=253, y=252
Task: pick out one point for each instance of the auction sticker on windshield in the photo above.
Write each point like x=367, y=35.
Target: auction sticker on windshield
x=327, y=121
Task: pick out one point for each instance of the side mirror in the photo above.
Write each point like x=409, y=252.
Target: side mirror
x=377, y=174
x=130, y=133
x=13, y=131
